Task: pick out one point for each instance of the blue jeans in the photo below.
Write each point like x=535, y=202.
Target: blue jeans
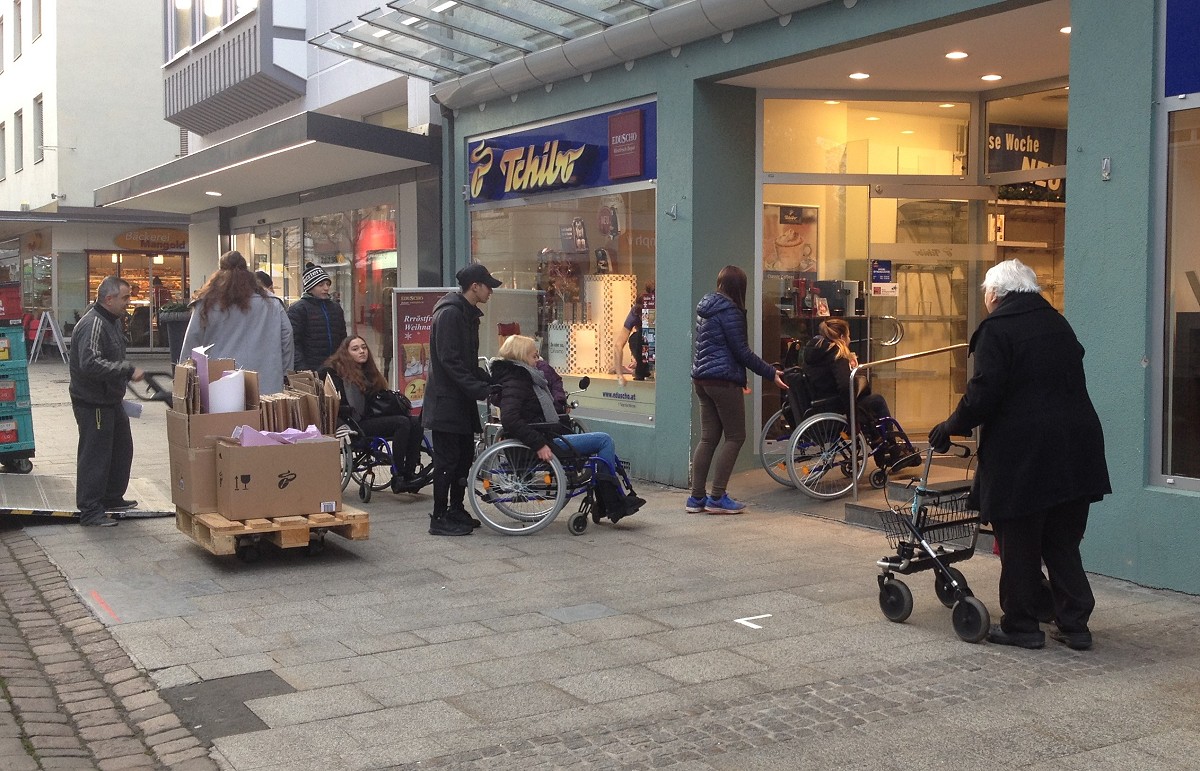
x=593, y=443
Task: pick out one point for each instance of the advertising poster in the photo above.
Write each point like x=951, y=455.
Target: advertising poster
x=413, y=312
x=790, y=240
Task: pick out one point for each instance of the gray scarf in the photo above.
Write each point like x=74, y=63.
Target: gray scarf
x=542, y=389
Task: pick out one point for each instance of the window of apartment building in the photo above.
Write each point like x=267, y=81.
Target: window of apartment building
x=18, y=140
x=214, y=16
x=39, y=151
x=3, y=145
x=35, y=19
x=1, y=44
x=181, y=25
x=16, y=15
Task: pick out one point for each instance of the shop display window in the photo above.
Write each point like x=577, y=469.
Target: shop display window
x=572, y=270
x=847, y=137
x=1181, y=389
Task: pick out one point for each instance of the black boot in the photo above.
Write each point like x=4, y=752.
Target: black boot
x=615, y=503
x=440, y=522
x=457, y=511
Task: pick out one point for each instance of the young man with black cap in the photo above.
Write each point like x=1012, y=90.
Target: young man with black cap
x=318, y=323
x=455, y=384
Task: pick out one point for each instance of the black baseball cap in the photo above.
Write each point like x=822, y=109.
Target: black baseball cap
x=476, y=273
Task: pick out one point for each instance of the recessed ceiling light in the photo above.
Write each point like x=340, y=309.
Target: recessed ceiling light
x=947, y=104
x=444, y=6
x=957, y=55
x=1065, y=30
x=411, y=20
x=873, y=117
x=908, y=131
x=859, y=76
x=990, y=77
x=379, y=33
x=213, y=193
x=832, y=101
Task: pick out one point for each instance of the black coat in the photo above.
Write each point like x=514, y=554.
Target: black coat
x=827, y=375
x=456, y=381
x=1041, y=442
x=318, y=328
x=519, y=405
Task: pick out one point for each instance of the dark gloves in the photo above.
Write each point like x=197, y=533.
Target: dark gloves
x=939, y=438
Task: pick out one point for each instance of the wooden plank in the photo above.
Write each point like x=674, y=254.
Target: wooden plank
x=291, y=522
x=354, y=531
x=217, y=523
x=256, y=525
x=324, y=519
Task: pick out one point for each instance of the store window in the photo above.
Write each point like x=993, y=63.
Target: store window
x=847, y=137
x=154, y=280
x=572, y=271
x=1181, y=439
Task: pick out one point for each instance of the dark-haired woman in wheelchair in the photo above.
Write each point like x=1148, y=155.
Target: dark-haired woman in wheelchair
x=358, y=379
x=528, y=414
x=827, y=364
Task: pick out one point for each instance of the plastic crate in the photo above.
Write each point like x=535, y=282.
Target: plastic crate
x=16, y=431
x=14, y=393
x=12, y=341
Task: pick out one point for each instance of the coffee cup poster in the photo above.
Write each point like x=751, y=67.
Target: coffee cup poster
x=790, y=239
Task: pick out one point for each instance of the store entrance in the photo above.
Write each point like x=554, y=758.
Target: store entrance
x=155, y=280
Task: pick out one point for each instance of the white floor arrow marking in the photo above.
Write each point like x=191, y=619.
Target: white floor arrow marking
x=746, y=621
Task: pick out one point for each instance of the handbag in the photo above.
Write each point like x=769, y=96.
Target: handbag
x=386, y=403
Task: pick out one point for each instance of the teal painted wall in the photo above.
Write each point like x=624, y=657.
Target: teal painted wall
x=1139, y=533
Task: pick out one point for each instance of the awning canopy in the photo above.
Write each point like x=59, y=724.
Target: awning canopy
x=300, y=153
x=475, y=50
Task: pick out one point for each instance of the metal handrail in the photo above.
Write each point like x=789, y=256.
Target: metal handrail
x=854, y=460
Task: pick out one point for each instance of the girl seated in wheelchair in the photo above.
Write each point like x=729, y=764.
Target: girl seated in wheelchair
x=360, y=384
x=528, y=414
x=827, y=364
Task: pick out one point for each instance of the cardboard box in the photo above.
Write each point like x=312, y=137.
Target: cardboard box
x=193, y=478
x=202, y=430
x=278, y=480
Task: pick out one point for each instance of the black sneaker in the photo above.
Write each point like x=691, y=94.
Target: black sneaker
x=459, y=514
x=121, y=505
x=1030, y=640
x=445, y=526
x=1076, y=641
x=106, y=522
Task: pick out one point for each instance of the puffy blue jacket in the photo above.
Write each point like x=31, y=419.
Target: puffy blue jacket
x=722, y=349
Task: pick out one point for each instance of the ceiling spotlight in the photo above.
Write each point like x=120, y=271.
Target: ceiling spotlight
x=1065, y=30
x=956, y=55
x=990, y=77
x=947, y=104
x=832, y=101
x=873, y=117
x=859, y=76
x=906, y=131
x=213, y=193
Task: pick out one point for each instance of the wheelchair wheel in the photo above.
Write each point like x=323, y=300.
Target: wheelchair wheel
x=513, y=491
x=820, y=457
x=424, y=471
x=773, y=447
x=375, y=461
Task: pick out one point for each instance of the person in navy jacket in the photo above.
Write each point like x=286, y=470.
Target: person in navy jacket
x=722, y=356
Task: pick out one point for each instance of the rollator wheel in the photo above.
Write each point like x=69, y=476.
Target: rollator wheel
x=578, y=523
x=895, y=600
x=971, y=619
x=879, y=478
x=943, y=589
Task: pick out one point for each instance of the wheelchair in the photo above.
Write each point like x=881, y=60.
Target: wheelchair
x=817, y=452
x=514, y=492
x=367, y=460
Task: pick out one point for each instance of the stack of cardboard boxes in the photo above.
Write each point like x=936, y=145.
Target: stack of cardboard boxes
x=213, y=473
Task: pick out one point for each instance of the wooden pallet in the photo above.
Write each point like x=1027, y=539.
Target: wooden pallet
x=222, y=536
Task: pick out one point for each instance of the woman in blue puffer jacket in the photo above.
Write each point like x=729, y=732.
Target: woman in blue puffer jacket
x=718, y=375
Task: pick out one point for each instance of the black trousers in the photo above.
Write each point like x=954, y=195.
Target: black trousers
x=405, y=432
x=103, y=460
x=452, y=458
x=1051, y=536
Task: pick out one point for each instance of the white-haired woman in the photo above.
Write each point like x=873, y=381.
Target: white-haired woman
x=1041, y=455
x=526, y=402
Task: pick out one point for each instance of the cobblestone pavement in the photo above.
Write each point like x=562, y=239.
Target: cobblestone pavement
x=618, y=649
x=72, y=697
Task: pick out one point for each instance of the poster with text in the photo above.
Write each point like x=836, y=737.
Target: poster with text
x=790, y=239
x=413, y=313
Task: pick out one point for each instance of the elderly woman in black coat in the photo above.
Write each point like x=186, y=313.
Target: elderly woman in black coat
x=1041, y=455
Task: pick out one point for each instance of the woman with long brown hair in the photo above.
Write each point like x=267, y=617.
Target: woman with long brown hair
x=357, y=378
x=718, y=377
x=240, y=320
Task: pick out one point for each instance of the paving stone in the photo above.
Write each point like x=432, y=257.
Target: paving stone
x=107, y=731
x=115, y=748
x=126, y=763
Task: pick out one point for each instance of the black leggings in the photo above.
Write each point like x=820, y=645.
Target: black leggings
x=405, y=433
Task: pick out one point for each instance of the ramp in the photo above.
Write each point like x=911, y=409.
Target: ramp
x=41, y=495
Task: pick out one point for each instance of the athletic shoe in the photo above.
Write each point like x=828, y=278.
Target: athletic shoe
x=446, y=526
x=121, y=505
x=695, y=505
x=100, y=523
x=723, y=505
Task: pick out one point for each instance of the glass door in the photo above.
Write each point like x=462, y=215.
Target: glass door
x=928, y=251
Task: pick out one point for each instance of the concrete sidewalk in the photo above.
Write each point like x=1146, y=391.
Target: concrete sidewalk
x=620, y=648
